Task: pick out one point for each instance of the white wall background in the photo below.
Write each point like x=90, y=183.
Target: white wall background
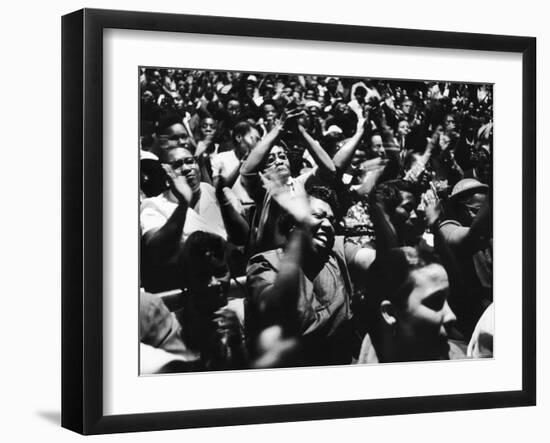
x=30, y=91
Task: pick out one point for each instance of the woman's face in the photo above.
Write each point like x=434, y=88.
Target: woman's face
x=403, y=128
x=277, y=161
x=183, y=163
x=421, y=321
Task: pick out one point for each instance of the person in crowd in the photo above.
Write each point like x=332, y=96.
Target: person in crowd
x=188, y=205
x=308, y=286
x=409, y=311
x=210, y=327
x=230, y=154
x=227, y=165
x=465, y=240
x=270, y=156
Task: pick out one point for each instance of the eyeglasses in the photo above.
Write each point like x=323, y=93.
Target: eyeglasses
x=188, y=161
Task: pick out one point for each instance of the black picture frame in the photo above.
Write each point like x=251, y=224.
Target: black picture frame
x=82, y=218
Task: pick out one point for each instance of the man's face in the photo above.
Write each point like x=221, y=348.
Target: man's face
x=377, y=146
x=178, y=102
x=323, y=237
x=183, y=163
x=175, y=135
x=406, y=107
x=473, y=204
x=233, y=108
x=421, y=321
x=277, y=162
x=208, y=127
x=269, y=112
x=359, y=157
x=405, y=219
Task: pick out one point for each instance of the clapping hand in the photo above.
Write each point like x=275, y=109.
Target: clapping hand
x=178, y=185
x=294, y=201
x=432, y=207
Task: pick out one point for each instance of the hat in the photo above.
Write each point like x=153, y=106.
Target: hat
x=467, y=185
x=252, y=78
x=334, y=129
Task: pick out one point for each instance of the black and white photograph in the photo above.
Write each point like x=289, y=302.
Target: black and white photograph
x=298, y=220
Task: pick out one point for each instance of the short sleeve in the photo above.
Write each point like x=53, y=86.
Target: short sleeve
x=150, y=217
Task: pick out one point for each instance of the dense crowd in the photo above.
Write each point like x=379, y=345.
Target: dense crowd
x=297, y=220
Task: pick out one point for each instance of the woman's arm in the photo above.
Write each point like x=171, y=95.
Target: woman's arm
x=344, y=155
x=326, y=170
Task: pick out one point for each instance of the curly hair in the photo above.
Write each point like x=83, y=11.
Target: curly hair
x=286, y=221
x=328, y=195
x=389, y=193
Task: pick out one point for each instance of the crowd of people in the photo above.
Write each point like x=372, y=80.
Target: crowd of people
x=303, y=220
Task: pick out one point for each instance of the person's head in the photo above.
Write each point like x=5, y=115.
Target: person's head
x=357, y=160
x=467, y=198
x=183, y=163
x=204, y=271
x=245, y=136
x=360, y=94
x=341, y=109
x=409, y=309
x=172, y=133
x=331, y=84
x=403, y=128
x=400, y=202
x=233, y=108
x=377, y=146
x=269, y=110
x=324, y=207
x=406, y=106
x=208, y=127
x=179, y=103
x=450, y=123
x=277, y=161
x=313, y=108
x=251, y=82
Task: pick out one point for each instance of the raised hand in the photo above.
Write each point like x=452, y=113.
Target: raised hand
x=361, y=121
x=294, y=201
x=179, y=186
x=432, y=207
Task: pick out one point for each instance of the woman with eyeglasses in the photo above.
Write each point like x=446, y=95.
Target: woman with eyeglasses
x=188, y=205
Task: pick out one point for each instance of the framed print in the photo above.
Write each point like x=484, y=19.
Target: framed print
x=271, y=221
